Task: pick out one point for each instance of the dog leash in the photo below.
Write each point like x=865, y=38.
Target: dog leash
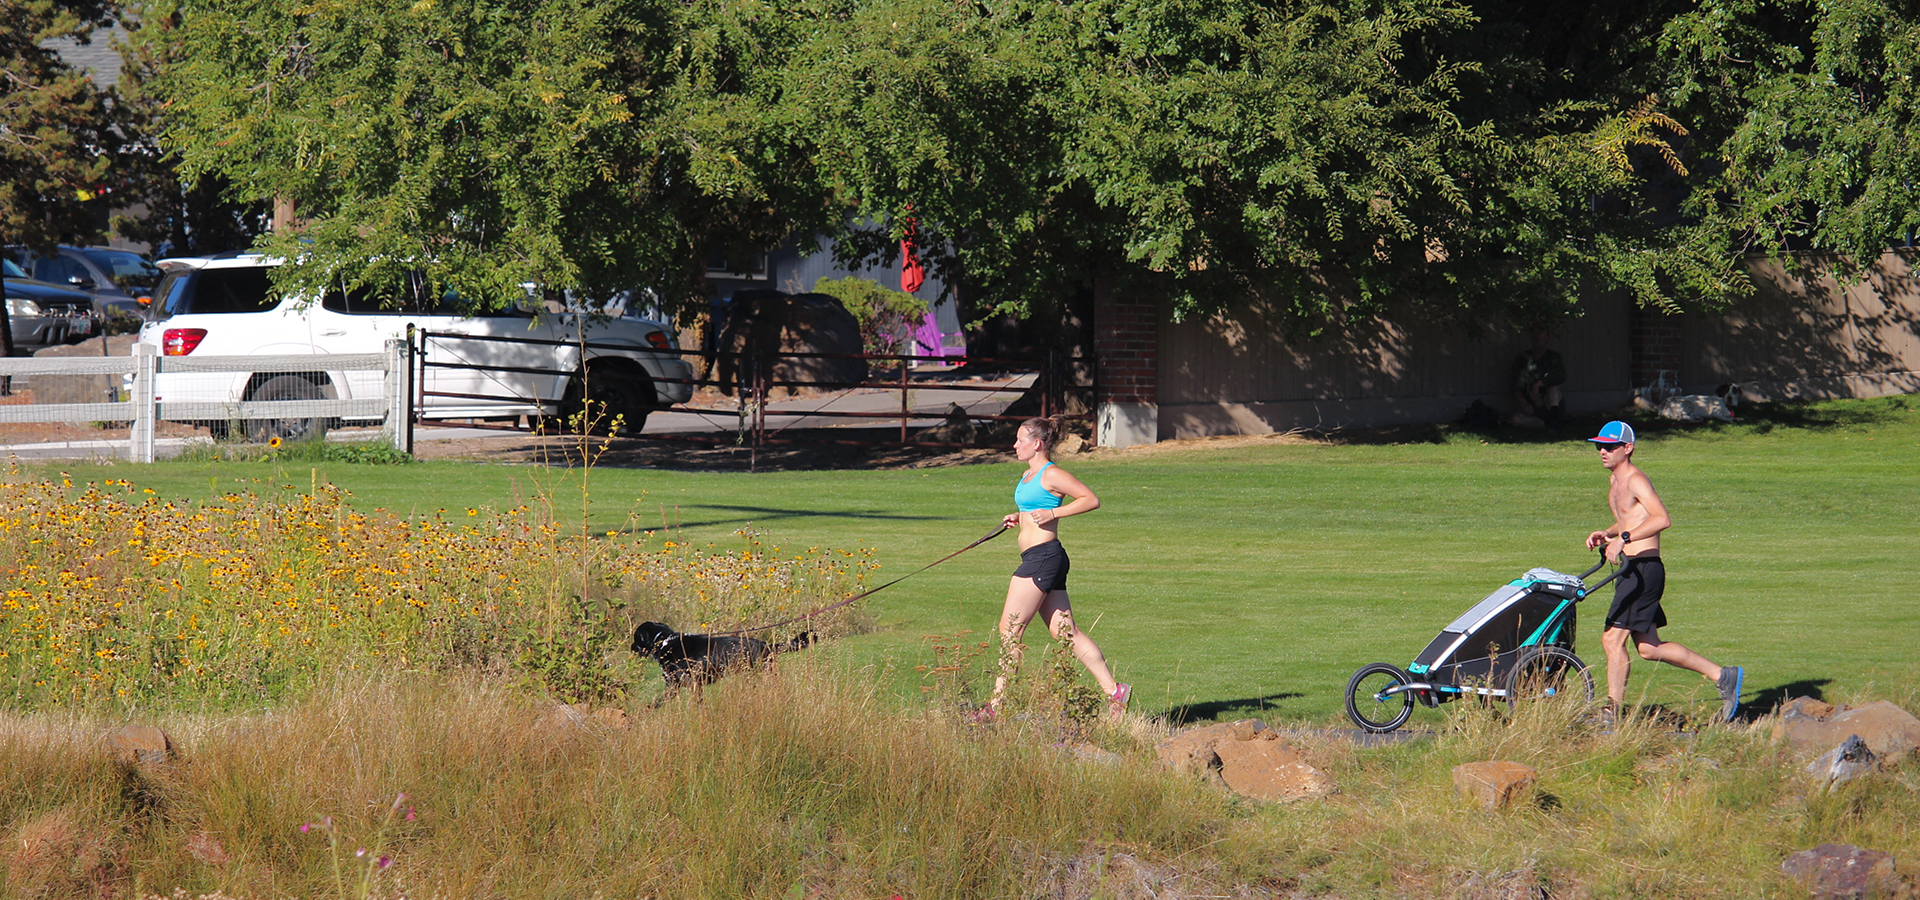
x=865, y=594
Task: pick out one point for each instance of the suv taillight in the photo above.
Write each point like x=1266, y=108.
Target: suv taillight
x=181, y=341
x=659, y=339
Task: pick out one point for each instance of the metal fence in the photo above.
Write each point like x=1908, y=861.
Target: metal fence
x=751, y=380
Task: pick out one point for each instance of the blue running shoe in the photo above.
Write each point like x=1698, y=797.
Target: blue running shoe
x=1731, y=677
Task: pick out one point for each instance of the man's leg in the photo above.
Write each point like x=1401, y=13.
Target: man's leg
x=1653, y=648
x=1613, y=642
x=1726, y=679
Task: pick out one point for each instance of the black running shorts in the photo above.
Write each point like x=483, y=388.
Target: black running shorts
x=1046, y=564
x=1636, y=596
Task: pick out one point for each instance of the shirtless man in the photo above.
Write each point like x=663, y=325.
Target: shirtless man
x=1638, y=519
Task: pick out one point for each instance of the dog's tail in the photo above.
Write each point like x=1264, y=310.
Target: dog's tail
x=800, y=641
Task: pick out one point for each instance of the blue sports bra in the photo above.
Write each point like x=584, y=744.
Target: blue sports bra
x=1029, y=494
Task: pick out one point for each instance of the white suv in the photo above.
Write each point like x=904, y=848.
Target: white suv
x=490, y=364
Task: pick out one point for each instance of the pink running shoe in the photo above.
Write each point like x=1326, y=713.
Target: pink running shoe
x=1122, y=693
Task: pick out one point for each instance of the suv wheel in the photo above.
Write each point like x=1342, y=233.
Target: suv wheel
x=286, y=387
x=614, y=387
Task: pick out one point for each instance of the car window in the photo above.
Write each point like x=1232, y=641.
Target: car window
x=12, y=270
x=131, y=271
x=412, y=299
x=58, y=269
x=241, y=290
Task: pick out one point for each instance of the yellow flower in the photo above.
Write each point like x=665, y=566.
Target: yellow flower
x=273, y=443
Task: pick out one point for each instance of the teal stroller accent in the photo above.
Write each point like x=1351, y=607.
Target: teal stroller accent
x=1515, y=644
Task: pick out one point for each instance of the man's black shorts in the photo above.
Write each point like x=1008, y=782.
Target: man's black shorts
x=1636, y=596
x=1046, y=564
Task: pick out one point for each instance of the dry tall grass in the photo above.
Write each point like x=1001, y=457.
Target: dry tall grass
x=808, y=781
x=795, y=783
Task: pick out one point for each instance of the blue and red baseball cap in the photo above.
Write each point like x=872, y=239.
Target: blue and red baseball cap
x=1614, y=432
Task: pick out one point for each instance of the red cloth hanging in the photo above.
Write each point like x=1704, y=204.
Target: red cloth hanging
x=912, y=274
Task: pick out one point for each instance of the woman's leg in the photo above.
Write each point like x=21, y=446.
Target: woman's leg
x=1023, y=601
x=1058, y=613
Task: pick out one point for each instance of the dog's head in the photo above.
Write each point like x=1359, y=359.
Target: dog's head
x=649, y=636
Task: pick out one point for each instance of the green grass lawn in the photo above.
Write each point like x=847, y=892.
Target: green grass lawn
x=1251, y=580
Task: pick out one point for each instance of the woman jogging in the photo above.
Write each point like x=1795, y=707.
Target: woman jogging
x=1040, y=584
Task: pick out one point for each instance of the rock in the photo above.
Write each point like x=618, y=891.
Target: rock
x=957, y=429
x=1192, y=750
x=1520, y=884
x=1843, y=763
x=1495, y=783
x=81, y=388
x=140, y=745
x=1270, y=769
x=1248, y=758
x=1090, y=754
x=616, y=719
x=567, y=717
x=1806, y=708
x=1889, y=731
x=1843, y=871
x=1071, y=443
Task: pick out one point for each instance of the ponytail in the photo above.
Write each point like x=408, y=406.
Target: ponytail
x=1045, y=429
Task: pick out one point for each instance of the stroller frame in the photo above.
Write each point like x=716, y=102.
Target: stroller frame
x=1515, y=644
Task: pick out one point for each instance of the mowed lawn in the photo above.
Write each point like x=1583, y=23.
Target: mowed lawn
x=1235, y=579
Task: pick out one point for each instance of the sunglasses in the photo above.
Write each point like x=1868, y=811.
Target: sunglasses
x=1605, y=447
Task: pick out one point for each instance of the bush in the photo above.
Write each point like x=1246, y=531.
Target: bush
x=887, y=317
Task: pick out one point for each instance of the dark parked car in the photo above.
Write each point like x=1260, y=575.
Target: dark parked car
x=121, y=281
x=46, y=315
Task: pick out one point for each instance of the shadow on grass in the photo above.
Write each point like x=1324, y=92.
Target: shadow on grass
x=1770, y=699
x=1754, y=418
x=1764, y=703
x=1190, y=713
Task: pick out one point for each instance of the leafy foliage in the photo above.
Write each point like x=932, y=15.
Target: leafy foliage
x=1814, y=109
x=56, y=138
x=1472, y=159
x=886, y=316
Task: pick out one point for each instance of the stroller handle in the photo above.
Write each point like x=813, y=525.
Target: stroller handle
x=1596, y=567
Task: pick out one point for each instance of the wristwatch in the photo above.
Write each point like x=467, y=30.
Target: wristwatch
x=1625, y=538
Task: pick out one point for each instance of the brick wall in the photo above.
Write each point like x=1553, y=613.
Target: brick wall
x=1126, y=339
x=1657, y=343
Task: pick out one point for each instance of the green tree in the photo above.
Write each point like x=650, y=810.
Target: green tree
x=491, y=144
x=56, y=140
x=1812, y=117
x=1332, y=157
x=157, y=207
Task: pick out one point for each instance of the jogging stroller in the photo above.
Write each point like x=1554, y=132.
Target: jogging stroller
x=1515, y=644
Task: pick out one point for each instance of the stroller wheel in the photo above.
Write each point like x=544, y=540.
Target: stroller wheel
x=1545, y=673
x=1372, y=703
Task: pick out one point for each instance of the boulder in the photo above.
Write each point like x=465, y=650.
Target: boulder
x=1248, y=758
x=1846, y=762
x=1843, y=871
x=1090, y=754
x=1889, y=731
x=775, y=327
x=1270, y=769
x=81, y=388
x=1192, y=750
x=1495, y=783
x=140, y=745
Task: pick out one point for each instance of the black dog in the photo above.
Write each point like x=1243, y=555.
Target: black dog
x=696, y=660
